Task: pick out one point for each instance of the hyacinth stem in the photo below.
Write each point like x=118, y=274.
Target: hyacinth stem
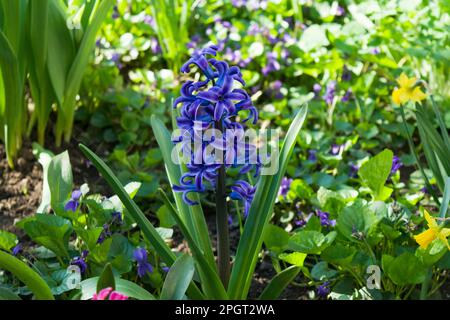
x=223, y=238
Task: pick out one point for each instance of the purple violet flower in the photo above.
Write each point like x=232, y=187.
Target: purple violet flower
x=340, y=11
x=285, y=186
x=148, y=20
x=317, y=88
x=312, y=155
x=347, y=96
x=346, y=74
x=115, y=14
x=325, y=219
x=81, y=261
x=105, y=234
x=165, y=269
x=143, y=266
x=336, y=149
x=323, y=290
x=330, y=92
x=375, y=51
x=396, y=165
x=17, y=249
x=353, y=170
x=272, y=64
x=73, y=203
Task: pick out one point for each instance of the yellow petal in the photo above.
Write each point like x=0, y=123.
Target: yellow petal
x=430, y=220
x=402, y=80
x=396, y=97
x=418, y=95
x=445, y=232
x=406, y=82
x=404, y=95
x=444, y=239
x=425, y=238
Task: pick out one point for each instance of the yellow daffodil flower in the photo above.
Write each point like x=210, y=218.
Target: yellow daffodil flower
x=434, y=232
x=408, y=90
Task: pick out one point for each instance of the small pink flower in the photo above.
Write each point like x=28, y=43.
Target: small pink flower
x=113, y=295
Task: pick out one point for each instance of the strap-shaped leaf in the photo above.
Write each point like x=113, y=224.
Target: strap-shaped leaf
x=178, y=278
x=279, y=283
x=25, y=274
x=259, y=215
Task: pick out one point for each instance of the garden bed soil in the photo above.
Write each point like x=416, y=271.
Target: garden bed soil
x=20, y=189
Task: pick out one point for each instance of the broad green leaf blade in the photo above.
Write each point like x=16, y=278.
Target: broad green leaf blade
x=259, y=215
x=6, y=294
x=25, y=274
x=106, y=279
x=60, y=180
x=375, y=172
x=128, y=288
x=211, y=282
x=147, y=228
x=178, y=278
x=279, y=283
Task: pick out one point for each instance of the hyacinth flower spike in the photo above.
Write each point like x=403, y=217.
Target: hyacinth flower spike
x=215, y=103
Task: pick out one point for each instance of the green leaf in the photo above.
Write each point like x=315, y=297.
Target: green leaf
x=60, y=179
x=356, y=218
x=308, y=241
x=322, y=272
x=295, y=258
x=6, y=294
x=7, y=240
x=276, y=286
x=405, y=269
x=259, y=215
x=275, y=238
x=25, y=274
x=330, y=201
x=89, y=236
x=178, y=278
x=50, y=231
x=375, y=172
x=106, y=279
x=338, y=254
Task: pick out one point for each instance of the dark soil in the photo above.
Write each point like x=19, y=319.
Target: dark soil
x=20, y=189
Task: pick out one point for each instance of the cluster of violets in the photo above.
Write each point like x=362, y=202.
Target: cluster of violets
x=332, y=86
x=323, y=216
x=215, y=103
